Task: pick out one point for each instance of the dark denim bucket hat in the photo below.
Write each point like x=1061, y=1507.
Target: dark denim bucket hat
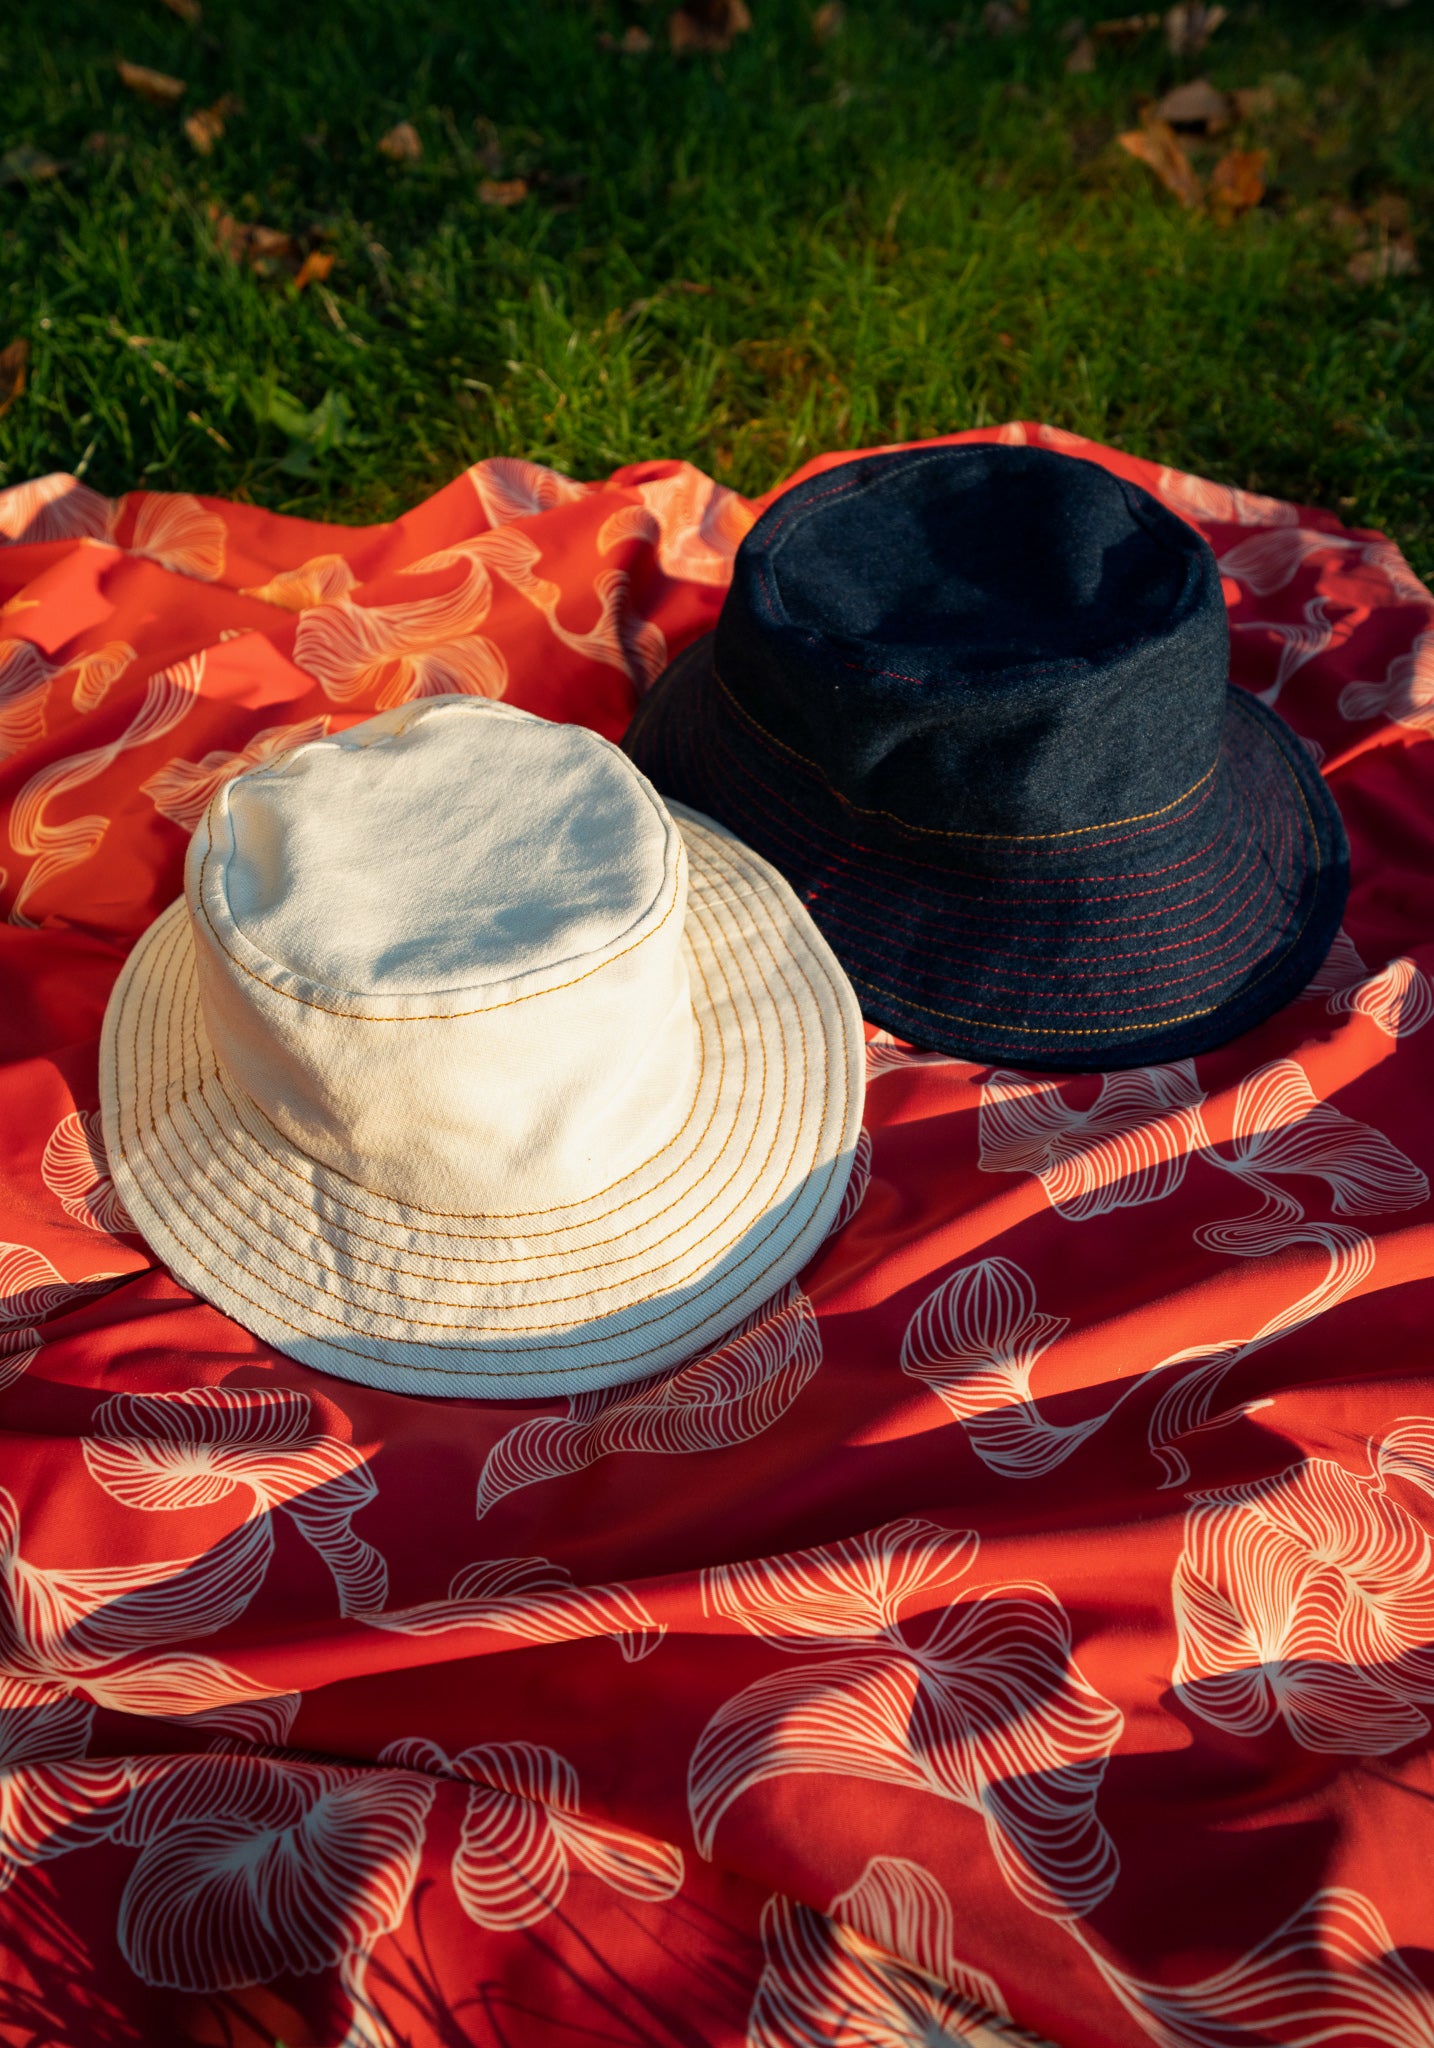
x=974, y=702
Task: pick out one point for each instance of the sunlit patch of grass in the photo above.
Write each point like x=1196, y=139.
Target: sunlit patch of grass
x=742, y=260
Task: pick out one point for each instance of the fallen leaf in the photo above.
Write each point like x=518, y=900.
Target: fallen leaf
x=205, y=126
x=187, y=10
x=155, y=86
x=1157, y=145
x=12, y=373
x=1253, y=102
x=636, y=42
x=24, y=164
x=250, y=242
x=502, y=191
x=1081, y=58
x=829, y=20
x=703, y=26
x=1397, y=257
x=1188, y=28
x=315, y=267
x=1125, y=28
x=1004, y=17
x=1196, y=105
x=402, y=144
x=690, y=284
x=1237, y=183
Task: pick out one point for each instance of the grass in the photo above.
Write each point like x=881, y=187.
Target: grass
x=742, y=259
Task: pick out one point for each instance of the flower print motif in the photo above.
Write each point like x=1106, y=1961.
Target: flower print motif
x=983, y=1705
x=422, y=647
x=878, y=1969
x=165, y=1452
x=1399, y=999
x=1340, y=968
x=1406, y=695
x=252, y=1867
x=510, y=488
x=98, y=672
x=30, y=1291
x=1280, y=1127
x=53, y=1798
x=174, y=529
x=695, y=525
x=1062, y=438
x=24, y=685
x=725, y=1396
x=636, y=646
x=1130, y=1147
x=74, y=1168
x=1301, y=643
x=1268, y=561
x=1197, y=1374
x=54, y=849
x=97, y=1633
x=975, y=1341
x=523, y=1830
x=856, y=1187
x=323, y=579
x=1329, y=1973
x=885, y=1054
x=184, y=790
x=1199, y=498
x=534, y=1600
x=1308, y=1598
x=55, y=507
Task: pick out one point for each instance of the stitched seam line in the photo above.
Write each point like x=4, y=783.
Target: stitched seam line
x=761, y=733
x=429, y=1365
x=428, y=1016
x=1235, y=1003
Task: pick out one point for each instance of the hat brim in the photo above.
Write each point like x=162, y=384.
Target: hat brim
x=1182, y=932
x=635, y=1278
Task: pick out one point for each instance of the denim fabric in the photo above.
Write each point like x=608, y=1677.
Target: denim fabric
x=973, y=703
x=1013, y=635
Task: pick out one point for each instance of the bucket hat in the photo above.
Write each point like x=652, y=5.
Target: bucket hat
x=464, y=1066
x=974, y=702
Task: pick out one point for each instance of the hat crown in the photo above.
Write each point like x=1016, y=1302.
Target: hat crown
x=441, y=953
x=1003, y=636
x=382, y=862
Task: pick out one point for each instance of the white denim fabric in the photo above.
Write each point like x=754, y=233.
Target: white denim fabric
x=465, y=1066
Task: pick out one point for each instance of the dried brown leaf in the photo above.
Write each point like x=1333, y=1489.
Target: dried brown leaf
x=1189, y=27
x=636, y=42
x=12, y=372
x=1237, y=183
x=155, y=86
x=829, y=20
x=1196, y=105
x=402, y=144
x=703, y=26
x=1081, y=58
x=1124, y=28
x=1254, y=102
x=1157, y=145
x=187, y=10
x=206, y=125
x=503, y=191
x=1397, y=257
x=315, y=267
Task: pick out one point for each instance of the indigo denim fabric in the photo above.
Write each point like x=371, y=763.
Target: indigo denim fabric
x=974, y=703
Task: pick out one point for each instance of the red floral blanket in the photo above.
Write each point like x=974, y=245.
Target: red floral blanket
x=1022, y=1625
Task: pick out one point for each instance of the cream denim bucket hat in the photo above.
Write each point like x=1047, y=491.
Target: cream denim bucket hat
x=465, y=1066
